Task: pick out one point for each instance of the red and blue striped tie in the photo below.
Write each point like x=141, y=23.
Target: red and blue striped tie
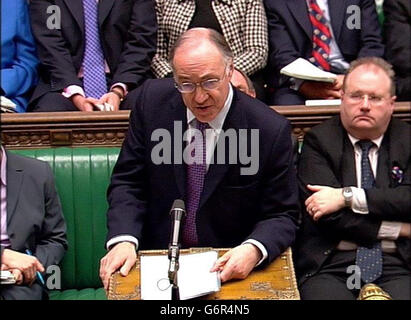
x=321, y=36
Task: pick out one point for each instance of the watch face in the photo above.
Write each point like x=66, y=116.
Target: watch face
x=347, y=193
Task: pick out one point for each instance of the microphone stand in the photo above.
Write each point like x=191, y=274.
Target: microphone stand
x=173, y=255
x=177, y=212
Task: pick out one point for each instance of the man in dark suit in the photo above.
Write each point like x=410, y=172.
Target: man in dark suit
x=397, y=30
x=31, y=219
x=355, y=179
x=253, y=211
x=354, y=32
x=121, y=43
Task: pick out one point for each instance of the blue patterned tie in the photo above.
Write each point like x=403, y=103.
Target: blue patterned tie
x=195, y=182
x=368, y=259
x=94, y=80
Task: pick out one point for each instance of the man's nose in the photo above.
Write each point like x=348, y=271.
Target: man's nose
x=365, y=103
x=200, y=95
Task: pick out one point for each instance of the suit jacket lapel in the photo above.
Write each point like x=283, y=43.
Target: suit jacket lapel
x=216, y=172
x=76, y=9
x=383, y=177
x=348, y=168
x=14, y=182
x=342, y=155
x=337, y=15
x=104, y=7
x=299, y=10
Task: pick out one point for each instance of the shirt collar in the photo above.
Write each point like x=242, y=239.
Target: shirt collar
x=376, y=141
x=218, y=121
x=3, y=167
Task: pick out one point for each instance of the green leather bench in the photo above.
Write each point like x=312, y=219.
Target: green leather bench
x=82, y=176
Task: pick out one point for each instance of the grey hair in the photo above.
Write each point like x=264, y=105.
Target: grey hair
x=211, y=35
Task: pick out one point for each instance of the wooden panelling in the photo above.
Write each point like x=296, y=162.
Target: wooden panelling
x=42, y=130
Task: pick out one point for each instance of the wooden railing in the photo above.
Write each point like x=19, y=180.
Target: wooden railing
x=41, y=130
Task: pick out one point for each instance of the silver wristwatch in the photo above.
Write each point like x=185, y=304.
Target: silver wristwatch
x=347, y=194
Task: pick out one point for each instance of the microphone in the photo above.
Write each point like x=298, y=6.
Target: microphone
x=177, y=212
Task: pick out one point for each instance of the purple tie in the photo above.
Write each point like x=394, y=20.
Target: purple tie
x=94, y=80
x=195, y=182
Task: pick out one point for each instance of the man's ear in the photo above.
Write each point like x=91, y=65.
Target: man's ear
x=252, y=93
x=392, y=103
x=230, y=70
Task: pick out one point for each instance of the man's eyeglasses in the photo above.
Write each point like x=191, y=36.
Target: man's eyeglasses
x=356, y=97
x=210, y=84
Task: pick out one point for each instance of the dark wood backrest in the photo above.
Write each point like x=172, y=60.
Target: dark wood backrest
x=43, y=130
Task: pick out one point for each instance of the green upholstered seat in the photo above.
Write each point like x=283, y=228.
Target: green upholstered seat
x=82, y=176
x=83, y=294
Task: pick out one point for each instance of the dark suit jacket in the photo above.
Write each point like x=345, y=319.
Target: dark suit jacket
x=128, y=31
x=397, y=30
x=328, y=159
x=233, y=207
x=290, y=33
x=34, y=215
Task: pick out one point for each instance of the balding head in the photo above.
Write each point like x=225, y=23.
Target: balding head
x=202, y=67
x=201, y=38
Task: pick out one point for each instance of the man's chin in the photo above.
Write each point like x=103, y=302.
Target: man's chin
x=204, y=114
x=365, y=122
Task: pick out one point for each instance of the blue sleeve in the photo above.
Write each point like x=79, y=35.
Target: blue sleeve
x=20, y=75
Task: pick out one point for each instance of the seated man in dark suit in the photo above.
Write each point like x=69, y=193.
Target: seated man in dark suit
x=328, y=33
x=355, y=178
x=31, y=219
x=251, y=207
x=397, y=30
x=91, y=52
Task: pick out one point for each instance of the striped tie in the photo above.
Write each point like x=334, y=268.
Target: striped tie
x=321, y=36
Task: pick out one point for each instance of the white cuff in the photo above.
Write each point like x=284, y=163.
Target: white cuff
x=260, y=246
x=122, y=86
x=122, y=238
x=359, y=201
x=72, y=90
x=389, y=230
